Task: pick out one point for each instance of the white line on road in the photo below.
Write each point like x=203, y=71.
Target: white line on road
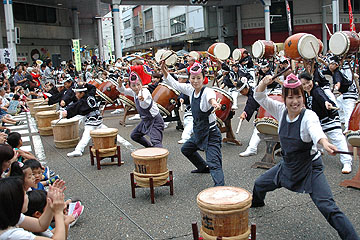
x=124, y=142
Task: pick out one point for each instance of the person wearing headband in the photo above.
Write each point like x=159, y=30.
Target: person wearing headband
x=152, y=123
x=206, y=136
x=320, y=103
x=87, y=106
x=301, y=169
x=265, y=70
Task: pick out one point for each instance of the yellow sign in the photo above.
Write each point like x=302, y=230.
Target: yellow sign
x=77, y=57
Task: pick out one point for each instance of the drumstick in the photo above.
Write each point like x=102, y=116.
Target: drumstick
x=218, y=101
x=334, y=108
x=181, y=107
x=343, y=152
x=239, y=125
x=214, y=56
x=279, y=74
x=328, y=29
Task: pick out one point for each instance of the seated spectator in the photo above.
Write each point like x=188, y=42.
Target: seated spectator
x=15, y=141
x=8, y=156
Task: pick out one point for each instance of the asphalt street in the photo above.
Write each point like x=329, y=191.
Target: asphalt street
x=111, y=213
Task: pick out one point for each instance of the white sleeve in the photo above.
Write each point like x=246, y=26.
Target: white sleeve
x=126, y=91
x=21, y=219
x=17, y=234
x=182, y=87
x=275, y=108
x=147, y=98
x=208, y=94
x=310, y=129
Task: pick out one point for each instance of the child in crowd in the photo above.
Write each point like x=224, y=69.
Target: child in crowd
x=37, y=171
x=15, y=141
x=25, y=172
x=152, y=123
x=8, y=156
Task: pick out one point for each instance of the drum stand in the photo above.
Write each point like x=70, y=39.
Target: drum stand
x=195, y=232
x=134, y=185
x=176, y=118
x=272, y=144
x=355, y=181
x=230, y=137
x=98, y=158
x=128, y=111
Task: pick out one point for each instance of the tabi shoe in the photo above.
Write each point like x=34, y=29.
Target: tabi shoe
x=247, y=153
x=346, y=169
x=234, y=107
x=182, y=141
x=74, y=154
x=117, y=111
x=135, y=117
x=205, y=170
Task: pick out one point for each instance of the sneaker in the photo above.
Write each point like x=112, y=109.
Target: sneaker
x=234, y=107
x=205, y=170
x=46, y=173
x=346, y=169
x=182, y=141
x=19, y=123
x=74, y=154
x=76, y=213
x=77, y=205
x=166, y=125
x=135, y=117
x=53, y=179
x=117, y=111
x=247, y=153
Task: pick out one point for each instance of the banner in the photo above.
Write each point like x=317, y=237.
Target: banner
x=6, y=57
x=351, y=17
x=288, y=15
x=77, y=57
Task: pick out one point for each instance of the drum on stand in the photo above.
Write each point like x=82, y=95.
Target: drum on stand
x=263, y=49
x=264, y=122
x=41, y=108
x=66, y=132
x=219, y=50
x=158, y=55
x=31, y=105
x=224, y=213
x=344, y=42
x=353, y=134
x=298, y=46
x=107, y=90
x=226, y=103
x=237, y=54
x=104, y=140
x=170, y=57
x=151, y=162
x=166, y=98
x=44, y=120
x=95, y=82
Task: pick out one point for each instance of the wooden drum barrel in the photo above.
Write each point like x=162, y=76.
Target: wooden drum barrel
x=224, y=213
x=41, y=108
x=31, y=105
x=264, y=122
x=353, y=135
x=165, y=98
x=44, y=119
x=302, y=45
x=150, y=162
x=104, y=140
x=344, y=42
x=263, y=49
x=66, y=132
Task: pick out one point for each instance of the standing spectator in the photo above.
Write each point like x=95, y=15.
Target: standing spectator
x=48, y=73
x=19, y=78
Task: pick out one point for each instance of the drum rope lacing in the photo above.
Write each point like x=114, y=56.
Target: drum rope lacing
x=99, y=190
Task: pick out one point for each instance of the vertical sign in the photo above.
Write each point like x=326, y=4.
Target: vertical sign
x=110, y=50
x=351, y=18
x=6, y=57
x=288, y=15
x=77, y=57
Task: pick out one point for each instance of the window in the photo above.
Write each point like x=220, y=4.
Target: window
x=178, y=24
x=279, y=21
x=32, y=13
x=127, y=24
x=148, y=20
x=355, y=4
x=149, y=36
x=136, y=21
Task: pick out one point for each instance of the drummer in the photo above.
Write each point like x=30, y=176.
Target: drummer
x=87, y=107
x=265, y=70
x=152, y=123
x=301, y=169
x=206, y=136
x=230, y=80
x=319, y=102
x=191, y=61
x=68, y=95
x=247, y=63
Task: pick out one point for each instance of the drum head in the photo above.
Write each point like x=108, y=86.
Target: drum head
x=339, y=43
x=150, y=152
x=169, y=60
x=64, y=121
x=258, y=49
x=194, y=54
x=237, y=54
x=224, y=196
x=223, y=92
x=158, y=54
x=222, y=51
x=172, y=89
x=304, y=46
x=104, y=131
x=47, y=113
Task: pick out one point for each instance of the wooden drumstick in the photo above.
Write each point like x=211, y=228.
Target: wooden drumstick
x=218, y=101
x=181, y=106
x=343, y=152
x=172, y=53
x=279, y=74
x=239, y=125
x=334, y=108
x=214, y=56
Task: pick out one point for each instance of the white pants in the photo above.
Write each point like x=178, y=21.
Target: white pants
x=252, y=83
x=346, y=108
x=234, y=94
x=188, y=127
x=86, y=137
x=330, y=95
x=254, y=141
x=338, y=139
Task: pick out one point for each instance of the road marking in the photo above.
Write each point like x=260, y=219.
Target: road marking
x=25, y=139
x=38, y=147
x=13, y=127
x=26, y=148
x=23, y=131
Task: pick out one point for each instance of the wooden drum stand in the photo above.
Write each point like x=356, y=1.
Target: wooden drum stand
x=230, y=137
x=272, y=144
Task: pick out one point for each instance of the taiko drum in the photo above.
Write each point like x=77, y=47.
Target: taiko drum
x=224, y=213
x=44, y=119
x=226, y=103
x=31, y=105
x=265, y=122
x=66, y=132
x=107, y=91
x=238, y=53
x=104, y=140
x=150, y=162
x=219, y=50
x=41, y=108
x=344, y=42
x=301, y=45
x=263, y=49
x=165, y=98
